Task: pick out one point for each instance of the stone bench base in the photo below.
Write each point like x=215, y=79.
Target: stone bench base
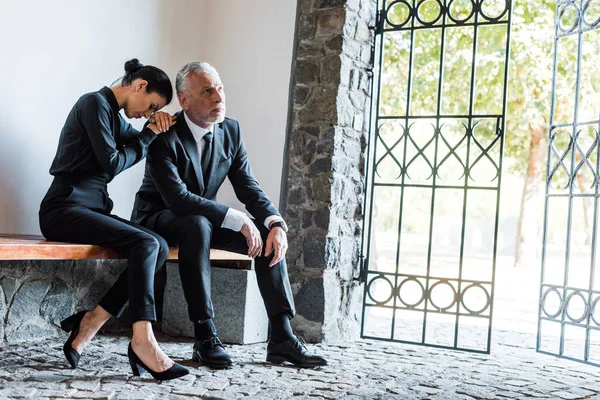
x=240, y=315
x=36, y=295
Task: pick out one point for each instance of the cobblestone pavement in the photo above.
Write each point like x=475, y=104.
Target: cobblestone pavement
x=357, y=370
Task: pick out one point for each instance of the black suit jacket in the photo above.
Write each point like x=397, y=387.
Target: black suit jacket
x=173, y=178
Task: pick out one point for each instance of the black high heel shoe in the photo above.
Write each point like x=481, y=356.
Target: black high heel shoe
x=176, y=371
x=71, y=324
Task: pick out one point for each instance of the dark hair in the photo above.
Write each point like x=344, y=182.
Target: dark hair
x=158, y=81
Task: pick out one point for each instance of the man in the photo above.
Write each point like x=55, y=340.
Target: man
x=184, y=169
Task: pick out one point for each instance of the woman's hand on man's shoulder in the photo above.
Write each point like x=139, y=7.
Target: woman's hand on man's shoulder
x=160, y=122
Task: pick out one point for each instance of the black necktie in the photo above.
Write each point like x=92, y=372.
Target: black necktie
x=208, y=138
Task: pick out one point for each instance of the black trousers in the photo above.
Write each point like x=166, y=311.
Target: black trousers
x=195, y=235
x=145, y=252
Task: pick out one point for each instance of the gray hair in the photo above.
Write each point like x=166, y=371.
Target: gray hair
x=195, y=67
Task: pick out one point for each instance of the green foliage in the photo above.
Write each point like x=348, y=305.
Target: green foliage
x=530, y=73
x=530, y=76
x=528, y=103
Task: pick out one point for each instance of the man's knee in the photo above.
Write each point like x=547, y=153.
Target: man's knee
x=196, y=227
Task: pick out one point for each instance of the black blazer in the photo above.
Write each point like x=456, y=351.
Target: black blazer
x=173, y=178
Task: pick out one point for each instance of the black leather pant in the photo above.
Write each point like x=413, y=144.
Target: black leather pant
x=195, y=235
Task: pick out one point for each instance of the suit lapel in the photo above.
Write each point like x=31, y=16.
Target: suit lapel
x=191, y=148
x=216, y=150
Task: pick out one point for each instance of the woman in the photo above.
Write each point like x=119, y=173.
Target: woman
x=95, y=145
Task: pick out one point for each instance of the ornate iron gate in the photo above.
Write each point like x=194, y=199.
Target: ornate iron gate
x=435, y=163
x=569, y=315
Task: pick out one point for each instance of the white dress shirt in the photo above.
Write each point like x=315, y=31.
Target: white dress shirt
x=234, y=219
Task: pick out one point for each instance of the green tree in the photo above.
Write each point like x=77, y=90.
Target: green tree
x=528, y=112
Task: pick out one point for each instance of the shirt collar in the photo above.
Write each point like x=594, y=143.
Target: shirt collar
x=110, y=97
x=197, y=131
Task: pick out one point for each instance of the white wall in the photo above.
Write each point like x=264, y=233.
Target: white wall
x=251, y=44
x=53, y=52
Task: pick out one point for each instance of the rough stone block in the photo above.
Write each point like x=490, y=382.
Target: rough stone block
x=2, y=314
x=329, y=4
x=334, y=44
x=306, y=27
x=307, y=72
x=321, y=107
x=331, y=22
x=58, y=304
x=240, y=315
x=311, y=300
x=9, y=285
x=313, y=249
x=330, y=70
x=26, y=303
x=301, y=94
x=32, y=329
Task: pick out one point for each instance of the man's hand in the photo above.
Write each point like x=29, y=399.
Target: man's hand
x=277, y=240
x=252, y=235
x=161, y=122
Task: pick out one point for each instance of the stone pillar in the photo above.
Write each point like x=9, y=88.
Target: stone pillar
x=322, y=192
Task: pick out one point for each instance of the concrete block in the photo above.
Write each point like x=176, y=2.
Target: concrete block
x=240, y=315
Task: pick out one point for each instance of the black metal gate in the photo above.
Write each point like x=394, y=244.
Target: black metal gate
x=569, y=315
x=435, y=162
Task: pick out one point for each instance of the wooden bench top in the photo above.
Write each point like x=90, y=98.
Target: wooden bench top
x=32, y=247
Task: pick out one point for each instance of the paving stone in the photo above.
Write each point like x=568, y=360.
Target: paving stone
x=221, y=396
x=63, y=394
x=88, y=385
x=44, y=385
x=47, y=376
x=213, y=384
x=592, y=387
x=16, y=393
x=405, y=372
x=518, y=383
x=135, y=395
x=477, y=392
x=190, y=391
x=101, y=395
x=573, y=394
x=425, y=390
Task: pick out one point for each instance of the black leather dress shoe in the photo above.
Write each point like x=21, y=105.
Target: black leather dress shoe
x=295, y=352
x=211, y=353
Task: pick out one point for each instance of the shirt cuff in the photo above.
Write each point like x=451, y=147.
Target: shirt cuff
x=271, y=219
x=147, y=136
x=234, y=220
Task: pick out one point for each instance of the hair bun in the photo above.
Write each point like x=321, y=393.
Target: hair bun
x=133, y=65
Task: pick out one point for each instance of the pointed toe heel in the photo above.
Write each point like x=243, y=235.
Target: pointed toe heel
x=71, y=355
x=176, y=371
x=71, y=324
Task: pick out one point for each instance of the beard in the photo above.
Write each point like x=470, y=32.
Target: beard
x=209, y=119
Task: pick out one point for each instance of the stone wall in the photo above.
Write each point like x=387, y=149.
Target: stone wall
x=322, y=193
